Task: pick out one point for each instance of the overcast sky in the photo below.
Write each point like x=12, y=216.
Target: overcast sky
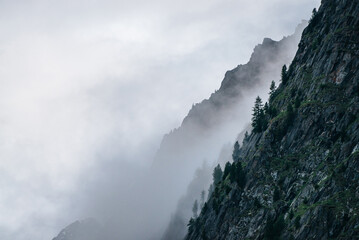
x=86, y=80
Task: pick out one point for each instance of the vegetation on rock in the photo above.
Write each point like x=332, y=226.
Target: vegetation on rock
x=297, y=176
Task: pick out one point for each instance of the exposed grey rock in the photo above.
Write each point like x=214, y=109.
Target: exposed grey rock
x=207, y=117
x=312, y=160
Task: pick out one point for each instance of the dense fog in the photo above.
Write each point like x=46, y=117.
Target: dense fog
x=89, y=89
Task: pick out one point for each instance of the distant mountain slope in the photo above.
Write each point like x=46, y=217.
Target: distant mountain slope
x=302, y=172
x=87, y=229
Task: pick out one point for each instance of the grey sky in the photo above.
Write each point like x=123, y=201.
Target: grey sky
x=87, y=80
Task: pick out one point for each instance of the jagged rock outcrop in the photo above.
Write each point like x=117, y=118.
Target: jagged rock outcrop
x=221, y=108
x=302, y=172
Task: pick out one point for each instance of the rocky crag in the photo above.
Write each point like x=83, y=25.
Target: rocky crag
x=301, y=171
x=208, y=122
x=219, y=109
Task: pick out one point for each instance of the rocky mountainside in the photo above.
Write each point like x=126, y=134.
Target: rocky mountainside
x=213, y=123
x=298, y=176
x=203, y=120
x=221, y=108
x=207, y=122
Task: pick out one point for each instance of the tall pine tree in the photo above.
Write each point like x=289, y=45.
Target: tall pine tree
x=284, y=75
x=235, y=154
x=272, y=89
x=217, y=174
x=259, y=122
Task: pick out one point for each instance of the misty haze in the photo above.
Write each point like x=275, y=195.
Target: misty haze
x=114, y=114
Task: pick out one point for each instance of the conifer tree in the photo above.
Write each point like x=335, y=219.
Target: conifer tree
x=259, y=121
x=314, y=13
x=266, y=108
x=217, y=174
x=227, y=170
x=272, y=89
x=284, y=75
x=235, y=154
x=257, y=112
x=238, y=174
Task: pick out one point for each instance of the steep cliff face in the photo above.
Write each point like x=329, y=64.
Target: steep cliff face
x=302, y=172
x=217, y=120
x=208, y=122
x=264, y=63
x=221, y=108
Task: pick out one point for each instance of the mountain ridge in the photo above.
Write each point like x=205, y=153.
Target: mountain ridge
x=214, y=110
x=232, y=92
x=301, y=171
x=235, y=82
x=200, y=118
